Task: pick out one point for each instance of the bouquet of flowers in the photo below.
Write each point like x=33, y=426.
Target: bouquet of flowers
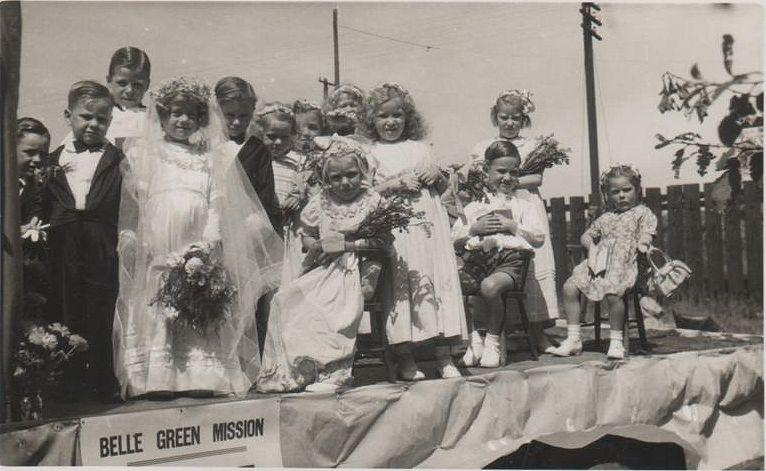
x=195, y=288
x=473, y=185
x=43, y=351
x=545, y=155
x=393, y=213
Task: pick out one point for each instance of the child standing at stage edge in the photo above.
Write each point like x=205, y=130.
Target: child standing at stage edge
x=344, y=109
x=613, y=242
x=82, y=206
x=128, y=81
x=426, y=302
x=499, y=233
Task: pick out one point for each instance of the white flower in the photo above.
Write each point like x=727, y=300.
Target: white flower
x=19, y=371
x=193, y=265
x=174, y=260
x=50, y=341
x=37, y=335
x=170, y=313
x=58, y=327
x=79, y=343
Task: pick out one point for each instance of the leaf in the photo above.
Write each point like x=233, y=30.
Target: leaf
x=723, y=161
x=663, y=144
x=728, y=130
x=696, y=72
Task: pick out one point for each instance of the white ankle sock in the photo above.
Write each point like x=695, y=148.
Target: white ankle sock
x=615, y=335
x=492, y=339
x=573, y=332
x=476, y=337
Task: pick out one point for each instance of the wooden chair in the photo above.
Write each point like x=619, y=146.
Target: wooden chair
x=375, y=306
x=519, y=296
x=633, y=294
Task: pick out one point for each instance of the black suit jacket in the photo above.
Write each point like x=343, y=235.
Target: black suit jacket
x=102, y=204
x=30, y=200
x=256, y=161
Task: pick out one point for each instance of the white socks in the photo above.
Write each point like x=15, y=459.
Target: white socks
x=492, y=339
x=573, y=332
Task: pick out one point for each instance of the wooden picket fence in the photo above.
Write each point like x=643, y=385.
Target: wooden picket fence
x=723, y=249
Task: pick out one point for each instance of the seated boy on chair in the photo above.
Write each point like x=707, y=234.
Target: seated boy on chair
x=492, y=242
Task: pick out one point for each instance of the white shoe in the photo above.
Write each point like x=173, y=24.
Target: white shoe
x=322, y=387
x=491, y=357
x=472, y=354
x=448, y=371
x=567, y=348
x=616, y=351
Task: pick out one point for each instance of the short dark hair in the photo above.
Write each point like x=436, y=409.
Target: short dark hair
x=28, y=125
x=131, y=58
x=88, y=89
x=235, y=89
x=500, y=149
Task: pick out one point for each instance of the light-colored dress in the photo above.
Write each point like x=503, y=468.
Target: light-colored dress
x=427, y=301
x=542, y=301
x=286, y=182
x=315, y=318
x=619, y=234
x=155, y=355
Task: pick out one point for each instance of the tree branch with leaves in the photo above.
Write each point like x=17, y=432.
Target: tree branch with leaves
x=740, y=132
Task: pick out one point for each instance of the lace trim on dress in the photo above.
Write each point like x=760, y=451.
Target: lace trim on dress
x=181, y=156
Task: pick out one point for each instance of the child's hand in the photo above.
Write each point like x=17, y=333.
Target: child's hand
x=409, y=182
x=292, y=204
x=507, y=224
x=428, y=176
x=486, y=226
x=643, y=247
x=34, y=230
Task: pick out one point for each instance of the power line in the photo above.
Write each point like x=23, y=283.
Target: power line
x=368, y=33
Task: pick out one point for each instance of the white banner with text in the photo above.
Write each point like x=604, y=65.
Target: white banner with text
x=239, y=433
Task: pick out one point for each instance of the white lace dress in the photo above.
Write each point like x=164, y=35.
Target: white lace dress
x=157, y=355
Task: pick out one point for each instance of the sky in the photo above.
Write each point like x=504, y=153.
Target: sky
x=455, y=58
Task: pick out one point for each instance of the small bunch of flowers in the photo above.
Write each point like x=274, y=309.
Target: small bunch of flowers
x=393, y=213
x=47, y=172
x=195, y=288
x=545, y=155
x=42, y=352
x=473, y=186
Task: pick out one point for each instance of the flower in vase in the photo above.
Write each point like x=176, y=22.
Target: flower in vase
x=50, y=341
x=61, y=329
x=78, y=343
x=37, y=335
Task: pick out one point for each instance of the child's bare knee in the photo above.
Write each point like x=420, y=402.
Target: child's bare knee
x=570, y=289
x=493, y=286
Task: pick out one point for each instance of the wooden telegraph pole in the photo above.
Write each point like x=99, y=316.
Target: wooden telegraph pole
x=588, y=33
x=336, y=58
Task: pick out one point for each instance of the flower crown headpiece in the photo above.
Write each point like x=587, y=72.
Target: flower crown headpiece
x=618, y=166
x=182, y=85
x=350, y=89
x=274, y=108
x=524, y=96
x=395, y=86
x=304, y=106
x=339, y=145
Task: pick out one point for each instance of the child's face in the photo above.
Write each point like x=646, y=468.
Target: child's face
x=238, y=114
x=89, y=119
x=509, y=120
x=350, y=108
x=128, y=86
x=344, y=178
x=621, y=193
x=181, y=121
x=389, y=120
x=30, y=150
x=503, y=174
x=309, y=126
x=277, y=135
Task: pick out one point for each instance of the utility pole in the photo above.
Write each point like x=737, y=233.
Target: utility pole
x=335, y=45
x=325, y=86
x=588, y=33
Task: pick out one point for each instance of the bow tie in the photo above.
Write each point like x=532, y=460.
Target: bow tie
x=239, y=140
x=80, y=147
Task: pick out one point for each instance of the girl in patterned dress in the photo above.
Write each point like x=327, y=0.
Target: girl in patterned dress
x=613, y=242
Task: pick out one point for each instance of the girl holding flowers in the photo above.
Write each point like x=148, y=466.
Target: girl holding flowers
x=314, y=319
x=197, y=212
x=427, y=304
x=510, y=115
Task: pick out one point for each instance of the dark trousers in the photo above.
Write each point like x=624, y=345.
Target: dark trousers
x=84, y=287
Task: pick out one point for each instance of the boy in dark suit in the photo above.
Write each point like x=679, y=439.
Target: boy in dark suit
x=82, y=206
